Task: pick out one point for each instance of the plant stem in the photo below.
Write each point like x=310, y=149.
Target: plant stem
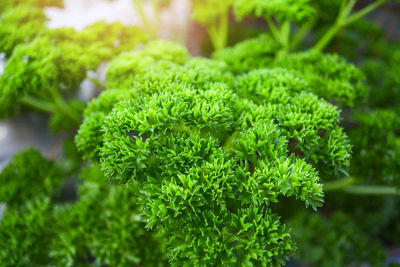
x=143, y=18
x=344, y=18
x=213, y=33
x=156, y=12
x=348, y=185
x=182, y=127
x=62, y=106
x=229, y=140
x=281, y=34
x=339, y=185
x=97, y=83
x=224, y=29
x=274, y=30
x=372, y=190
x=218, y=31
x=38, y=104
x=284, y=37
x=327, y=37
x=347, y=10
x=302, y=33
x=358, y=15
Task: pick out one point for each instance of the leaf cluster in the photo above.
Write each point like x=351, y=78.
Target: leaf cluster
x=376, y=146
x=18, y=25
x=102, y=227
x=45, y=67
x=212, y=150
x=6, y=5
x=282, y=10
x=337, y=240
x=328, y=75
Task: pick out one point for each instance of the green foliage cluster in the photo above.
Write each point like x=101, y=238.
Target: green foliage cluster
x=46, y=66
x=6, y=5
x=26, y=176
x=373, y=127
x=211, y=152
x=329, y=76
x=373, y=130
x=282, y=10
x=372, y=205
x=377, y=146
x=103, y=227
x=384, y=85
x=19, y=25
x=334, y=241
x=325, y=19
x=123, y=68
x=253, y=53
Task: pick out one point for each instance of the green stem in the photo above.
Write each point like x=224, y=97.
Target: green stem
x=218, y=31
x=62, y=106
x=182, y=127
x=38, y=104
x=224, y=29
x=281, y=34
x=348, y=185
x=212, y=32
x=157, y=10
x=97, y=83
x=347, y=10
x=143, y=18
x=358, y=15
x=229, y=140
x=302, y=33
x=323, y=42
x=284, y=36
x=372, y=190
x=274, y=30
x=344, y=18
x=339, y=185
x=327, y=37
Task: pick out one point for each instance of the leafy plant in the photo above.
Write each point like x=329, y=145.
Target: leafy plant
x=343, y=241
x=193, y=161
x=204, y=146
x=28, y=20
x=280, y=16
x=45, y=72
x=101, y=227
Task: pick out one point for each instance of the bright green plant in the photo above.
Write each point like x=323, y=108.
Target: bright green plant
x=102, y=227
x=19, y=25
x=281, y=16
x=45, y=70
x=212, y=151
x=123, y=68
x=253, y=53
x=9, y=4
x=26, y=176
x=368, y=198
